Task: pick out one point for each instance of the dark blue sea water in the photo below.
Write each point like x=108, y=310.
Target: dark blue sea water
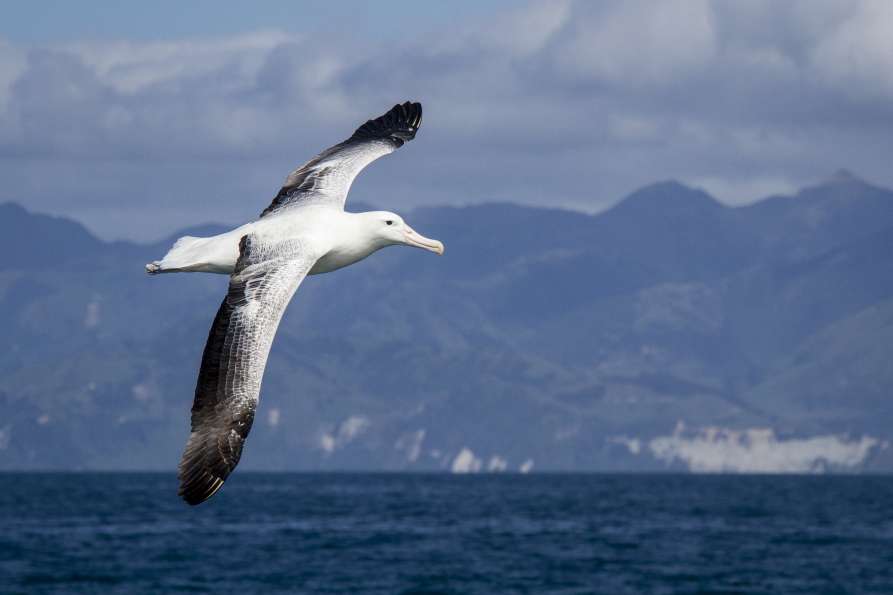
x=378, y=533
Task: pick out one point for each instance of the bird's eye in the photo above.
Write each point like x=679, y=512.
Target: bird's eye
x=389, y=222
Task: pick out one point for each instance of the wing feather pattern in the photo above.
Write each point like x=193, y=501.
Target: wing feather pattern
x=226, y=394
x=326, y=178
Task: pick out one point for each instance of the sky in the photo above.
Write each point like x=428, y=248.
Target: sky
x=140, y=119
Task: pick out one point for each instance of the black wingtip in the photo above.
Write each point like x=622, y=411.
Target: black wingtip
x=199, y=488
x=200, y=478
x=399, y=124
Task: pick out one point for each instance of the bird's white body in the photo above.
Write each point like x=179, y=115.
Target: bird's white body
x=304, y=231
x=341, y=238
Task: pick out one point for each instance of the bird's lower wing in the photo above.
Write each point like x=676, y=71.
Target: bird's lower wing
x=265, y=278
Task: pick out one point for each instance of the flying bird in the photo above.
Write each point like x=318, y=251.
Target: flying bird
x=304, y=231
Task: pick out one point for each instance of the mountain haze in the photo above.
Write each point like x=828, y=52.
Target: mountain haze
x=670, y=331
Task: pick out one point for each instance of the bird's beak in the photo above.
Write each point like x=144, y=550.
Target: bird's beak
x=419, y=241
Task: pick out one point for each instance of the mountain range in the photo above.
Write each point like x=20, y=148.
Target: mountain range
x=668, y=332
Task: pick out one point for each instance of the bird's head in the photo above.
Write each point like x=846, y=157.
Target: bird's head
x=390, y=229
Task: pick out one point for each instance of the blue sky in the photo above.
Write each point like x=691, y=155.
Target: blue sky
x=139, y=121
x=51, y=21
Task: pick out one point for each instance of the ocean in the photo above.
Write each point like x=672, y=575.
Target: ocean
x=418, y=533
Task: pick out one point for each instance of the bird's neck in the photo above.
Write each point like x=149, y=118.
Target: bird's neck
x=352, y=240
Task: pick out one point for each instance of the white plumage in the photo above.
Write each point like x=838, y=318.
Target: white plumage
x=305, y=231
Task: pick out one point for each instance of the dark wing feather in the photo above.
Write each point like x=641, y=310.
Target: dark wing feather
x=327, y=177
x=228, y=387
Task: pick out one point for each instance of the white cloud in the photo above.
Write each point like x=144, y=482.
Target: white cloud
x=633, y=43
x=12, y=65
x=327, y=442
x=633, y=445
x=496, y=464
x=466, y=462
x=745, y=191
x=130, y=67
x=540, y=21
x=352, y=427
x=273, y=416
x=346, y=432
x=759, y=450
x=857, y=54
x=570, y=103
x=91, y=316
x=411, y=444
x=526, y=466
x=141, y=392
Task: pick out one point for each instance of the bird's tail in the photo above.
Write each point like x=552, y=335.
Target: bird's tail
x=177, y=258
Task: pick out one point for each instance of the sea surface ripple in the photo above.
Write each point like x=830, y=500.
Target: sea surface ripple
x=417, y=533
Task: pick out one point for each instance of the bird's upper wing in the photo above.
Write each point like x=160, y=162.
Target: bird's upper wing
x=263, y=282
x=327, y=177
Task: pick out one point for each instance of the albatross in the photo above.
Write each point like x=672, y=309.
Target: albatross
x=304, y=231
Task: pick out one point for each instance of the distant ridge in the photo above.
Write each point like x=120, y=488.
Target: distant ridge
x=843, y=175
x=666, y=196
x=35, y=239
x=552, y=338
